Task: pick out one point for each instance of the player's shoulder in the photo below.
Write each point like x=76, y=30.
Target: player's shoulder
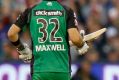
x=28, y=10
x=67, y=8
x=31, y=7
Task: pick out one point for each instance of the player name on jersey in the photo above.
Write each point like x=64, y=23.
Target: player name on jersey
x=57, y=47
x=49, y=13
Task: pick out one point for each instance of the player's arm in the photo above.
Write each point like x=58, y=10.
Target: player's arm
x=13, y=35
x=75, y=37
x=17, y=27
x=74, y=34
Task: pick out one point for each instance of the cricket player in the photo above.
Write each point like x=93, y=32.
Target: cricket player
x=51, y=26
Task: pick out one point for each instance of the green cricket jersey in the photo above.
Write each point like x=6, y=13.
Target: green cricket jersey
x=49, y=22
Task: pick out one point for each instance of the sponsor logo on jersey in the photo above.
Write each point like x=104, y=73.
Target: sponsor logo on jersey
x=49, y=13
x=49, y=3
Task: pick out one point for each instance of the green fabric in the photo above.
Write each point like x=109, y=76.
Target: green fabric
x=55, y=59
x=51, y=76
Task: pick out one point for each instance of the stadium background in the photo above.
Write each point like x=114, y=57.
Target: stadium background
x=100, y=63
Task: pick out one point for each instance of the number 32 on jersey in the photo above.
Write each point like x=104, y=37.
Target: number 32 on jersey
x=43, y=30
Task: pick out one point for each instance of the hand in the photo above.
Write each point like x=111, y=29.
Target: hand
x=26, y=58
x=85, y=47
x=25, y=54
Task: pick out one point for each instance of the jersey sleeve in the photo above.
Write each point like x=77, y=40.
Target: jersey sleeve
x=71, y=19
x=23, y=19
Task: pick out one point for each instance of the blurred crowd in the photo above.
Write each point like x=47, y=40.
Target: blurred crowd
x=92, y=15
